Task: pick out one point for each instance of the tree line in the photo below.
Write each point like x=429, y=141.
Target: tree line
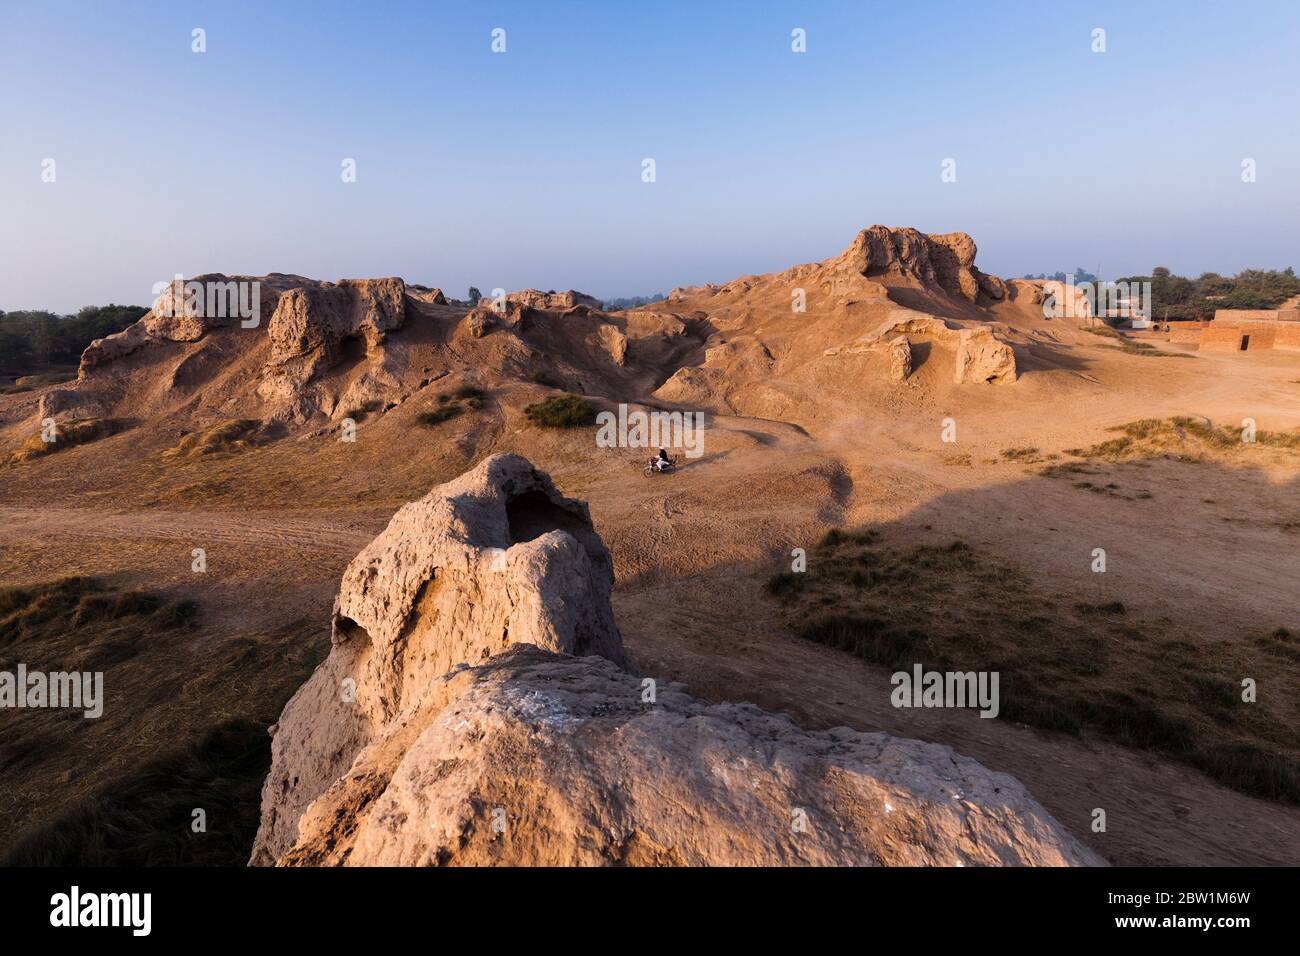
x=34, y=340
x=1180, y=297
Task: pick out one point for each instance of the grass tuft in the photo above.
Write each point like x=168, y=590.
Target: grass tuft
x=226, y=437
x=146, y=819
x=68, y=434
x=453, y=403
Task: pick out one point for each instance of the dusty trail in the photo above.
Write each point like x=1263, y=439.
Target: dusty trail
x=316, y=533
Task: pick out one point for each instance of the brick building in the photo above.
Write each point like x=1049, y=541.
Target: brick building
x=1245, y=330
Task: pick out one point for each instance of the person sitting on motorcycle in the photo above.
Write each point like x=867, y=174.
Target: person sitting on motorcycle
x=662, y=462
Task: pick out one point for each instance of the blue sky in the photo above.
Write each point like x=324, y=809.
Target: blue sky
x=524, y=168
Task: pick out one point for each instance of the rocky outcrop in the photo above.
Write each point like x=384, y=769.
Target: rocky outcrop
x=496, y=558
x=540, y=759
x=476, y=708
x=65, y=403
x=186, y=311
x=614, y=342
x=311, y=329
x=552, y=301
x=900, y=358
x=980, y=356
x=312, y=322
x=478, y=322
x=512, y=309
x=983, y=358
x=946, y=260
x=426, y=294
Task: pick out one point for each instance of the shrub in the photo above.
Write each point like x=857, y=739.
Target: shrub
x=438, y=415
x=1019, y=454
x=359, y=413
x=561, y=411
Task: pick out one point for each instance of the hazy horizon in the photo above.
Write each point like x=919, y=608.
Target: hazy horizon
x=524, y=168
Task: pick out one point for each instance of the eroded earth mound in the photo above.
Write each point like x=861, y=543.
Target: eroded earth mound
x=793, y=345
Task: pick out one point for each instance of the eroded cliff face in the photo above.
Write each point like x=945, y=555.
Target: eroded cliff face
x=946, y=260
x=477, y=708
x=311, y=331
x=181, y=314
x=313, y=353
x=271, y=342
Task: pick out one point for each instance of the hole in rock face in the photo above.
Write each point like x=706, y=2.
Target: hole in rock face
x=350, y=630
x=532, y=515
x=352, y=349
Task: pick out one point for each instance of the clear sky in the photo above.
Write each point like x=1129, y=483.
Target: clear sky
x=524, y=168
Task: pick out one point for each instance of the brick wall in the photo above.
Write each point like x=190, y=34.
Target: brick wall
x=1221, y=338
x=1187, y=332
x=1226, y=336
x=1288, y=336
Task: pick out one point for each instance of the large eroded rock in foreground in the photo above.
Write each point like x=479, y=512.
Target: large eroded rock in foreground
x=495, y=558
x=549, y=760
x=476, y=709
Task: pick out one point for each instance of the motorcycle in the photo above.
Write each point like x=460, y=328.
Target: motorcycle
x=651, y=466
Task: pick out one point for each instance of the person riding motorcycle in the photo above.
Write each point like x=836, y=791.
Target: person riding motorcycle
x=662, y=462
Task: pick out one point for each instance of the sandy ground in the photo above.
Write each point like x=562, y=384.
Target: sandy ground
x=1210, y=549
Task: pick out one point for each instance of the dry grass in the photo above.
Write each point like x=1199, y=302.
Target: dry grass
x=1129, y=347
x=77, y=791
x=451, y=404
x=146, y=820
x=68, y=434
x=226, y=437
x=1082, y=668
x=1182, y=438
x=1026, y=455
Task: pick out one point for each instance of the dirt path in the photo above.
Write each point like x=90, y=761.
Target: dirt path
x=317, y=532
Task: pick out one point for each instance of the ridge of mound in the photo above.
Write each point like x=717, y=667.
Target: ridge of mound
x=311, y=330
x=819, y=341
x=316, y=351
x=811, y=345
x=946, y=260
